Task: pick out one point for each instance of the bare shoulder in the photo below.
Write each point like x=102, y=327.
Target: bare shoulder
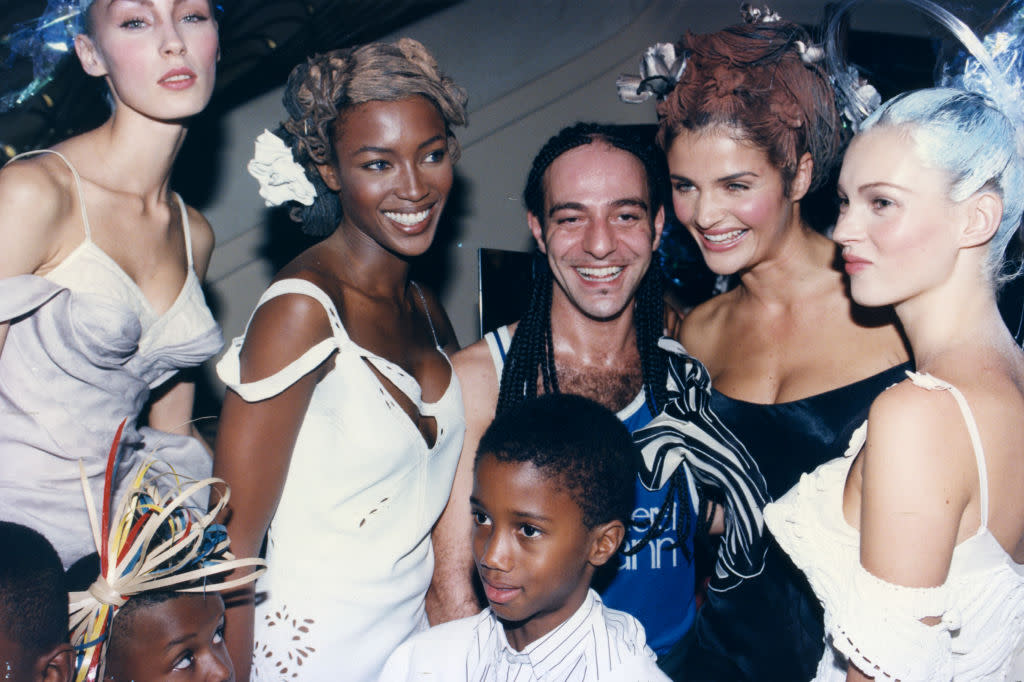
x=282, y=329
x=480, y=381
x=475, y=369
x=203, y=238
x=698, y=331
x=37, y=199
x=919, y=435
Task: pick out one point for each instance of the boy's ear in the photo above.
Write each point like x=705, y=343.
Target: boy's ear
x=56, y=665
x=606, y=540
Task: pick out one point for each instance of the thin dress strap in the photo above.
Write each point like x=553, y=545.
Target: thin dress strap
x=426, y=311
x=928, y=381
x=186, y=227
x=78, y=185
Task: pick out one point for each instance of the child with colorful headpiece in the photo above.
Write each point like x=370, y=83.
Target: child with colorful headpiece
x=155, y=606
x=914, y=540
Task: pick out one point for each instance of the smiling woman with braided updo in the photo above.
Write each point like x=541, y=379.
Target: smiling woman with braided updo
x=344, y=423
x=749, y=128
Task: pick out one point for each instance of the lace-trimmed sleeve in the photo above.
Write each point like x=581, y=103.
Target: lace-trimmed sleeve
x=878, y=628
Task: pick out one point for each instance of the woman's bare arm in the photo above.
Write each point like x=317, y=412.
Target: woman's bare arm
x=918, y=475
x=35, y=212
x=255, y=442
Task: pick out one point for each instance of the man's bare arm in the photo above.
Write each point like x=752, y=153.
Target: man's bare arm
x=451, y=594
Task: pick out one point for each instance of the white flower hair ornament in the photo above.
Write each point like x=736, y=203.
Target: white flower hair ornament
x=281, y=178
x=153, y=541
x=660, y=70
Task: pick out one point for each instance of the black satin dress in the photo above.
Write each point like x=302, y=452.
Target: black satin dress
x=769, y=626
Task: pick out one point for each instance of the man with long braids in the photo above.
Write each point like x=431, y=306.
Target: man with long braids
x=594, y=201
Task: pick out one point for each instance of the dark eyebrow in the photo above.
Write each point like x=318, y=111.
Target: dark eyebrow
x=389, y=150
x=726, y=178
x=737, y=176
x=630, y=201
x=617, y=203
x=180, y=640
x=534, y=516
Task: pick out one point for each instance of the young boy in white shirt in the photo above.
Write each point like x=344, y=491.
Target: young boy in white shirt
x=552, y=491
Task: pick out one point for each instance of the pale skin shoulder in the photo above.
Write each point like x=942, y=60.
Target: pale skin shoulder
x=451, y=594
x=693, y=330
x=255, y=439
x=39, y=202
x=37, y=224
x=913, y=491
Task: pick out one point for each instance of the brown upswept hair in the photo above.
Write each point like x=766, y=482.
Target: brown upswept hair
x=321, y=89
x=753, y=78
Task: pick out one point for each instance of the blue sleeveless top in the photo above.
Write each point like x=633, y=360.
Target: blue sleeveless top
x=656, y=585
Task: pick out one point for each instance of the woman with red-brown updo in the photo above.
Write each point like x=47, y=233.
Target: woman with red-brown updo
x=749, y=128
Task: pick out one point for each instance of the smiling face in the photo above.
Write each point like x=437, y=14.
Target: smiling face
x=181, y=638
x=731, y=198
x=159, y=57
x=392, y=173
x=897, y=225
x=597, y=229
x=533, y=552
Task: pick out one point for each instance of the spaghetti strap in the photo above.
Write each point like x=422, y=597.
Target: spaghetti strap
x=78, y=185
x=934, y=383
x=229, y=367
x=426, y=311
x=186, y=227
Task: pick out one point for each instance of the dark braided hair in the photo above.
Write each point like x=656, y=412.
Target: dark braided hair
x=532, y=349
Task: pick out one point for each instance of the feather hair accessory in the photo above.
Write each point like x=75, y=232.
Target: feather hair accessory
x=152, y=541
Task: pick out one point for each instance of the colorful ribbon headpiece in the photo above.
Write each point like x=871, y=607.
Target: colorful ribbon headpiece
x=151, y=542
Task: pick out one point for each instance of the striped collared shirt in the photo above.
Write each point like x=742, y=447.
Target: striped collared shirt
x=595, y=643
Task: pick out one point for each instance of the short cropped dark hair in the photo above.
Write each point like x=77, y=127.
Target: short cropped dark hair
x=33, y=597
x=576, y=440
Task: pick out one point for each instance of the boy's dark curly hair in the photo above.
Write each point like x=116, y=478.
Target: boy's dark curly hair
x=33, y=597
x=575, y=441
